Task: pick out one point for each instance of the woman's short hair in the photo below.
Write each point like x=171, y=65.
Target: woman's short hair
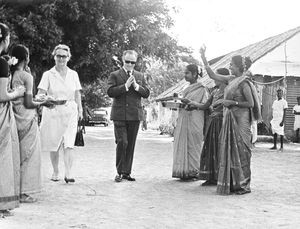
x=4, y=32
x=193, y=68
x=62, y=47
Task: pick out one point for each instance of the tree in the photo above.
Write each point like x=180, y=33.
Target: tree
x=95, y=30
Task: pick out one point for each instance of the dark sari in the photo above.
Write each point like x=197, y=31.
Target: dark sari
x=209, y=161
x=235, y=139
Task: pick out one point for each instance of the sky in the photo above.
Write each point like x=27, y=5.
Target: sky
x=227, y=25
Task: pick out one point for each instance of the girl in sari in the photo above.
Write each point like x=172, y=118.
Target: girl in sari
x=241, y=108
x=209, y=162
x=27, y=125
x=9, y=143
x=188, y=136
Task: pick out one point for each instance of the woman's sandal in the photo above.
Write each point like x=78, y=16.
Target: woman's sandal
x=71, y=180
x=54, y=178
x=24, y=198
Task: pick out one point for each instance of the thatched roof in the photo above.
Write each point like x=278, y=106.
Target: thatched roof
x=254, y=51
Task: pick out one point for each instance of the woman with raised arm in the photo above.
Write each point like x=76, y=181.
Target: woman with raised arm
x=188, y=136
x=27, y=124
x=9, y=143
x=241, y=107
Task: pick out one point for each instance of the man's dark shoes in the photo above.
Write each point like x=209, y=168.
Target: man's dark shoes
x=118, y=178
x=273, y=148
x=128, y=177
x=71, y=180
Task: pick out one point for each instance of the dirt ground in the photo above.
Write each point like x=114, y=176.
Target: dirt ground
x=156, y=200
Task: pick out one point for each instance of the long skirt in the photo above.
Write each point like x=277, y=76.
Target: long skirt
x=209, y=162
x=188, y=144
x=30, y=149
x=235, y=152
x=9, y=159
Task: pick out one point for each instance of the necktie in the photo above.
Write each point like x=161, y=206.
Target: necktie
x=128, y=74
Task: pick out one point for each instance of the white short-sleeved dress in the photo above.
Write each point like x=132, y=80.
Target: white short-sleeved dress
x=278, y=107
x=59, y=124
x=297, y=117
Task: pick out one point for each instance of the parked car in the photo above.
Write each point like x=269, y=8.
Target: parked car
x=99, y=116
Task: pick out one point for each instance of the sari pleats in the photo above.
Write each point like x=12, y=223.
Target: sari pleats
x=9, y=159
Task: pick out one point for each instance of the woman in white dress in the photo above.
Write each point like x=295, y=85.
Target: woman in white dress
x=59, y=124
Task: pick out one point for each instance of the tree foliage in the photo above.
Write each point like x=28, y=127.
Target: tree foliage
x=95, y=30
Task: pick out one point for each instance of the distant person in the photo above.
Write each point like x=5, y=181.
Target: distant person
x=188, y=135
x=241, y=107
x=9, y=143
x=209, y=162
x=144, y=122
x=126, y=86
x=279, y=108
x=59, y=124
x=27, y=124
x=296, y=111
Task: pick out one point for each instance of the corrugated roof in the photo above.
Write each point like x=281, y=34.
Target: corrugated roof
x=254, y=51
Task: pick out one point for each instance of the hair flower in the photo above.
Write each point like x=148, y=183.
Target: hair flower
x=13, y=61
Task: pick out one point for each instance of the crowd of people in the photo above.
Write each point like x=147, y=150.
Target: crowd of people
x=212, y=139
x=224, y=158
x=21, y=139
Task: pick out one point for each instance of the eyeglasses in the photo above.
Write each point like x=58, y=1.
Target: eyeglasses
x=130, y=62
x=61, y=56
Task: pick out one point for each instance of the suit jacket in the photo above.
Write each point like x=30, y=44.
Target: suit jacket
x=126, y=104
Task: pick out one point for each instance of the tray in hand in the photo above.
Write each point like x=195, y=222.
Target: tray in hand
x=173, y=105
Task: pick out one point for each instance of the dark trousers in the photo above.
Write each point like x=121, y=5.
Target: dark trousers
x=125, y=136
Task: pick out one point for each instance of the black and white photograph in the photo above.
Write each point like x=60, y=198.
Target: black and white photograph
x=149, y=114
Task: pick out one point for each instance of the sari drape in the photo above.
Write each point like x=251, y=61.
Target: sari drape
x=188, y=136
x=209, y=161
x=29, y=141
x=9, y=159
x=235, y=140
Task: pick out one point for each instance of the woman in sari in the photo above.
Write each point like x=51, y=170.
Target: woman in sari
x=209, y=162
x=241, y=108
x=27, y=125
x=188, y=136
x=9, y=145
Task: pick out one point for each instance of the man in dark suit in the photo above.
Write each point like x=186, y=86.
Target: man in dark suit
x=126, y=86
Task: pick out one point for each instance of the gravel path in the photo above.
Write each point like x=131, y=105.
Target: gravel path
x=156, y=200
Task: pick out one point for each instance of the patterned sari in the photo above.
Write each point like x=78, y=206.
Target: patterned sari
x=189, y=135
x=235, y=140
x=209, y=162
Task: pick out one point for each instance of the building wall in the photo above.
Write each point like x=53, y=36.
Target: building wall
x=293, y=90
x=269, y=94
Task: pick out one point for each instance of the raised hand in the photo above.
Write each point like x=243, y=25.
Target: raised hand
x=202, y=50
